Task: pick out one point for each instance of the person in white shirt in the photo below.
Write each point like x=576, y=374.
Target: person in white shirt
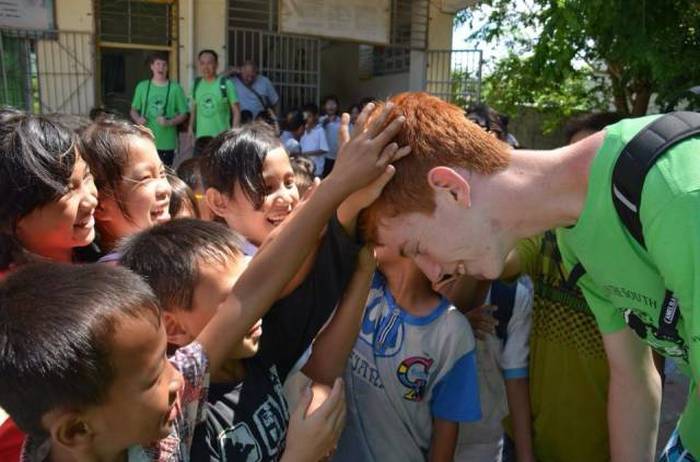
x=313, y=141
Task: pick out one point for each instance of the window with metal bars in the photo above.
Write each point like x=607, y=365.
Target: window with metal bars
x=409, y=31
x=136, y=21
x=253, y=14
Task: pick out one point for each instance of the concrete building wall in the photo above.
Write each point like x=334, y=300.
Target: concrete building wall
x=210, y=31
x=340, y=65
x=66, y=61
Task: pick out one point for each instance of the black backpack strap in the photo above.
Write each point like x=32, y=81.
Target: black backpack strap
x=194, y=88
x=637, y=158
x=222, y=87
x=503, y=296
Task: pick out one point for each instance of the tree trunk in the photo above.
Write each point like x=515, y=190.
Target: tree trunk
x=642, y=94
x=619, y=94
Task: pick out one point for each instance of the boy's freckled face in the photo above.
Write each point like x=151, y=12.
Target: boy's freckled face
x=142, y=402
x=213, y=287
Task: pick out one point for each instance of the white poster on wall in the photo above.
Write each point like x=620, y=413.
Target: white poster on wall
x=366, y=21
x=27, y=14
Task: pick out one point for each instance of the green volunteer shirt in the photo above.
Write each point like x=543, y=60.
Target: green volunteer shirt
x=150, y=102
x=212, y=109
x=568, y=368
x=625, y=284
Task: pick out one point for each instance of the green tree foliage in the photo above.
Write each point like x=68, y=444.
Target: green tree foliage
x=588, y=54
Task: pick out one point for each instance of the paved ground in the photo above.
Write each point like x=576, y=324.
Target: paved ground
x=674, y=399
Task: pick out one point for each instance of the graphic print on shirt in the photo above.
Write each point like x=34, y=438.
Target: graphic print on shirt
x=385, y=334
x=208, y=104
x=262, y=435
x=670, y=345
x=365, y=369
x=156, y=106
x=413, y=373
x=239, y=443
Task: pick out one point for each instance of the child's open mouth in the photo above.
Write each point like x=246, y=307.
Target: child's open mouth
x=160, y=214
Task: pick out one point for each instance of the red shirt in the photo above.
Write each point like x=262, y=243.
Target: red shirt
x=11, y=439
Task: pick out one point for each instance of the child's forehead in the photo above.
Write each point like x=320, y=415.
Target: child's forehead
x=137, y=342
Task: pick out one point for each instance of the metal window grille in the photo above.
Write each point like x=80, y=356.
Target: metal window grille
x=136, y=21
x=454, y=75
x=253, y=14
x=292, y=63
x=409, y=31
x=47, y=72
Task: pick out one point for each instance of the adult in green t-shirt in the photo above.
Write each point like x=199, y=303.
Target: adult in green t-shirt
x=215, y=106
x=160, y=104
x=462, y=200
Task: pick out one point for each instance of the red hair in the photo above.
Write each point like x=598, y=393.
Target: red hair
x=439, y=134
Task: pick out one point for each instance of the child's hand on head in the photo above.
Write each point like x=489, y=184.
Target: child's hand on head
x=369, y=152
x=316, y=424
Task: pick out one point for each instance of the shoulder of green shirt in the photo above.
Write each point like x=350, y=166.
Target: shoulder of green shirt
x=231, y=91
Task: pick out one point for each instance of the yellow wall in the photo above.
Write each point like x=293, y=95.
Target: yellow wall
x=65, y=63
x=209, y=32
x=439, y=29
x=75, y=15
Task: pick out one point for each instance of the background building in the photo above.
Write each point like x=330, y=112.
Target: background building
x=77, y=54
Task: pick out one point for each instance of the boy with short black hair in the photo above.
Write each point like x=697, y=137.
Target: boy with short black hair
x=215, y=106
x=191, y=266
x=313, y=142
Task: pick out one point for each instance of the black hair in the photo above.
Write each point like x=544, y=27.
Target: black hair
x=487, y=118
x=592, y=122
x=246, y=116
x=355, y=106
x=303, y=168
x=311, y=107
x=238, y=156
x=105, y=146
x=181, y=196
x=168, y=256
x=366, y=100
x=156, y=56
x=211, y=52
x=190, y=171
x=294, y=120
x=331, y=98
x=57, y=322
x=37, y=158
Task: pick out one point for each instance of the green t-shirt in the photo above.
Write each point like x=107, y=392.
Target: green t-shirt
x=166, y=137
x=212, y=110
x=568, y=367
x=625, y=284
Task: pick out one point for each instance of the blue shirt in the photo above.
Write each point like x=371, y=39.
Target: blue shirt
x=247, y=98
x=403, y=372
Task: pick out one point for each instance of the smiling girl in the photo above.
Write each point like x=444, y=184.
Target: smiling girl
x=133, y=190
x=48, y=193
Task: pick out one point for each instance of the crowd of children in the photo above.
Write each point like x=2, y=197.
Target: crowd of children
x=150, y=314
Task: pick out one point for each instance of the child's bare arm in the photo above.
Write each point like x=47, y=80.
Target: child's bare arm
x=518, y=393
x=272, y=268
x=333, y=345
x=316, y=424
x=443, y=441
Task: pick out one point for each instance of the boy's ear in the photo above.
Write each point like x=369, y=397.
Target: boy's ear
x=447, y=180
x=217, y=202
x=177, y=334
x=71, y=430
